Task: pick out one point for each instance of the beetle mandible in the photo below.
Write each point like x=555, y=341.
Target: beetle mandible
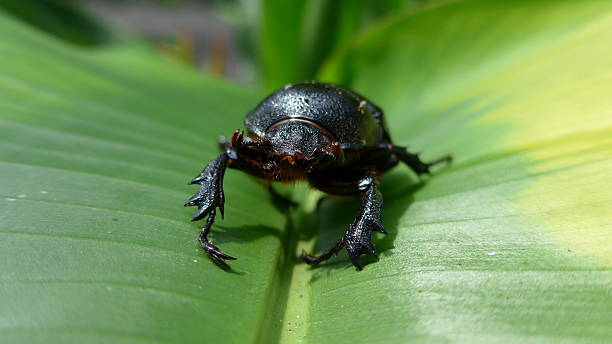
x=323, y=133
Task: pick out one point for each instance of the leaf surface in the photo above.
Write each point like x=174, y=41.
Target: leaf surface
x=512, y=242
x=97, y=147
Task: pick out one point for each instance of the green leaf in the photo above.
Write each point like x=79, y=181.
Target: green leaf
x=513, y=242
x=95, y=244
x=61, y=18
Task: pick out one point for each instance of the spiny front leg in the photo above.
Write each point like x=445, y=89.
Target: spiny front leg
x=208, y=199
x=358, y=237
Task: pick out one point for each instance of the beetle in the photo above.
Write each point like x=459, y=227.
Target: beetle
x=326, y=134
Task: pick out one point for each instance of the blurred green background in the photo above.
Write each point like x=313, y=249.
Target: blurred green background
x=246, y=41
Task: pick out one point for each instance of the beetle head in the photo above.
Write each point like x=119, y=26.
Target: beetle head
x=303, y=143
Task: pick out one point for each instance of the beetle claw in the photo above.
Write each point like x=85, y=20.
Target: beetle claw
x=314, y=260
x=215, y=254
x=308, y=258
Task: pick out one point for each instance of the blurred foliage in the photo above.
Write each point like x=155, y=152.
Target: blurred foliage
x=295, y=37
x=62, y=18
x=287, y=40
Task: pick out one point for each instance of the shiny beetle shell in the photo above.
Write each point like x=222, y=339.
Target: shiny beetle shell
x=352, y=120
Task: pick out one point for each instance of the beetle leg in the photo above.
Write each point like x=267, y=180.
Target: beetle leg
x=213, y=251
x=314, y=260
x=358, y=237
x=208, y=199
x=414, y=162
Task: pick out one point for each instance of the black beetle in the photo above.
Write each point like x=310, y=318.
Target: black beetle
x=326, y=134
